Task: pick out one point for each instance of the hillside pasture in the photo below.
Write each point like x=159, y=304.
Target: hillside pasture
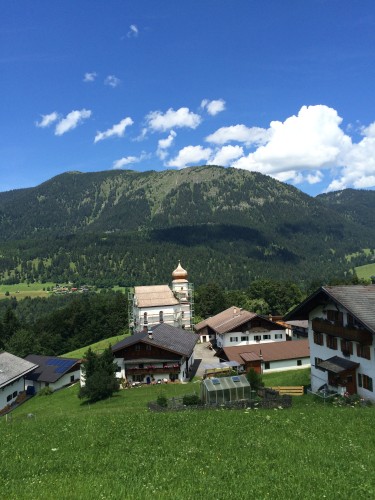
x=22, y=290
x=96, y=347
x=366, y=271
x=118, y=449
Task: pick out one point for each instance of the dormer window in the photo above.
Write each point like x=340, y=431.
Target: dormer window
x=145, y=318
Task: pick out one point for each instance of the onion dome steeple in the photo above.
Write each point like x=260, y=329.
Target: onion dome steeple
x=179, y=273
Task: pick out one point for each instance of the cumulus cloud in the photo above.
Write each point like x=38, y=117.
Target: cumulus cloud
x=133, y=31
x=213, y=107
x=47, y=120
x=239, y=133
x=128, y=160
x=164, y=144
x=226, y=155
x=112, y=81
x=183, y=117
x=190, y=154
x=71, y=121
x=90, y=77
x=309, y=141
x=117, y=130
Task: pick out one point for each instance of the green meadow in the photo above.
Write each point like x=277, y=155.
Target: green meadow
x=96, y=347
x=118, y=449
x=366, y=271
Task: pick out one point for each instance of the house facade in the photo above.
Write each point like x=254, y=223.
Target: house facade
x=270, y=357
x=155, y=304
x=13, y=371
x=54, y=372
x=341, y=338
x=238, y=327
x=164, y=353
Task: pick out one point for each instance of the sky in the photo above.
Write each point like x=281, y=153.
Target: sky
x=285, y=88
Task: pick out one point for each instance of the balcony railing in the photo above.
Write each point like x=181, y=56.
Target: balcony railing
x=151, y=370
x=345, y=332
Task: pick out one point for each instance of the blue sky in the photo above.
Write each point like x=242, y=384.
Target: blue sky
x=286, y=88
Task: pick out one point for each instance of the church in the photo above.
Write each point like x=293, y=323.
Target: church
x=169, y=304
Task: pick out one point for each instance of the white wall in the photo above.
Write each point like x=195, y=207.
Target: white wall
x=286, y=364
x=62, y=382
x=16, y=387
x=224, y=340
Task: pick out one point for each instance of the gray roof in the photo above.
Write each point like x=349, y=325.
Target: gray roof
x=167, y=337
x=359, y=300
x=51, y=368
x=338, y=365
x=12, y=368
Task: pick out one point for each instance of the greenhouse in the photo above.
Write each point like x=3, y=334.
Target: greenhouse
x=225, y=389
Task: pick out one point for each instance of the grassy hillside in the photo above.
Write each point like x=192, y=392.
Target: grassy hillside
x=117, y=449
x=365, y=271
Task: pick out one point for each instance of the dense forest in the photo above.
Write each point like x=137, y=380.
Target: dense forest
x=227, y=226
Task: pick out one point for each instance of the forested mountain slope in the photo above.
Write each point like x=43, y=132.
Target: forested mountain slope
x=226, y=225
x=356, y=205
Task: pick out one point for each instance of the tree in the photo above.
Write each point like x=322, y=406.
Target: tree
x=209, y=300
x=100, y=376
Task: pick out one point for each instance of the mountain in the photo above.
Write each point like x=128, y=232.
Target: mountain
x=227, y=226
x=355, y=205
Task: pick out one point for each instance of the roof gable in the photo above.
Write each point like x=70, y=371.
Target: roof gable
x=12, y=368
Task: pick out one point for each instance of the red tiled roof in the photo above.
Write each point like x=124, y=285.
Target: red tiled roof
x=270, y=351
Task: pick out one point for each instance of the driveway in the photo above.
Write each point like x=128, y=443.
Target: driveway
x=202, y=355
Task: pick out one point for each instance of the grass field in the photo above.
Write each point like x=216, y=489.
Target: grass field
x=22, y=290
x=118, y=449
x=365, y=272
x=97, y=347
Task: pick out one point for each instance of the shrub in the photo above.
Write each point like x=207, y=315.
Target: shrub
x=46, y=391
x=162, y=400
x=191, y=400
x=255, y=379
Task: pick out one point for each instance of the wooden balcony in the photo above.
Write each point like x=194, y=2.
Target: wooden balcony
x=360, y=335
x=147, y=370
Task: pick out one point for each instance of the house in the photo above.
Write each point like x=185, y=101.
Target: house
x=163, y=353
x=341, y=337
x=270, y=357
x=295, y=330
x=53, y=372
x=13, y=371
x=155, y=304
x=236, y=326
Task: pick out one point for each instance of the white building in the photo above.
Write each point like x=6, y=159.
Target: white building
x=155, y=304
x=13, y=371
x=238, y=327
x=341, y=338
x=54, y=372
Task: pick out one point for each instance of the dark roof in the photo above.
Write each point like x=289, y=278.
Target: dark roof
x=269, y=351
x=167, y=337
x=359, y=300
x=338, y=365
x=12, y=368
x=51, y=368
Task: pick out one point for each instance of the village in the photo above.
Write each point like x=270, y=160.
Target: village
x=331, y=332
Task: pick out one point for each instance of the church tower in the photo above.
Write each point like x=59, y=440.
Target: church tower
x=183, y=291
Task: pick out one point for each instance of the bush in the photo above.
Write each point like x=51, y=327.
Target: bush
x=191, y=400
x=46, y=391
x=162, y=400
x=255, y=379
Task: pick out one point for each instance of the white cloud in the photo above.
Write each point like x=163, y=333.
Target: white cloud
x=90, y=77
x=71, y=121
x=128, y=160
x=190, y=154
x=225, y=155
x=213, y=107
x=164, y=144
x=47, y=120
x=239, y=133
x=309, y=141
x=117, y=130
x=183, y=117
x=112, y=81
x=133, y=31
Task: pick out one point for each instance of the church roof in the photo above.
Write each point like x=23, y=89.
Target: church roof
x=154, y=296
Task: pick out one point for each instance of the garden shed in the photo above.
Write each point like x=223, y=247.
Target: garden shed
x=225, y=389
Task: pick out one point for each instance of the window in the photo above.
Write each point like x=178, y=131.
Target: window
x=233, y=339
x=318, y=338
x=9, y=398
x=267, y=365
x=363, y=351
x=137, y=347
x=183, y=314
x=346, y=347
x=161, y=317
x=145, y=319
x=278, y=335
x=244, y=338
x=365, y=382
x=335, y=316
x=331, y=342
x=317, y=363
x=258, y=338
x=15, y=394
x=72, y=376
x=138, y=378
x=266, y=337
x=148, y=347
x=299, y=362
